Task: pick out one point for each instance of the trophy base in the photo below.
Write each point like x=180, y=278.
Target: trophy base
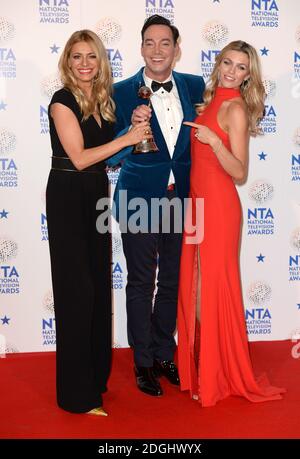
x=145, y=146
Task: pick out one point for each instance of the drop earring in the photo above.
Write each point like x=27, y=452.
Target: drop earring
x=245, y=84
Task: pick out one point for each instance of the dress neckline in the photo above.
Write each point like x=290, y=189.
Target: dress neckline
x=229, y=93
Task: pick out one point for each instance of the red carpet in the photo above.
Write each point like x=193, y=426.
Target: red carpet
x=28, y=408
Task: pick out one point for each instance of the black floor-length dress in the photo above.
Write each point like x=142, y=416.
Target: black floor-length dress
x=80, y=266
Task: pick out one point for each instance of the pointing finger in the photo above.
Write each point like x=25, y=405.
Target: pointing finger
x=189, y=123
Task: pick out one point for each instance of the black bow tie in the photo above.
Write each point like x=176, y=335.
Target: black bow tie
x=155, y=85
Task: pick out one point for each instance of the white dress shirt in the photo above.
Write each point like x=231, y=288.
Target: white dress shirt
x=168, y=110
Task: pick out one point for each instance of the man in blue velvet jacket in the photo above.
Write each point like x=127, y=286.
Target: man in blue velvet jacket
x=151, y=321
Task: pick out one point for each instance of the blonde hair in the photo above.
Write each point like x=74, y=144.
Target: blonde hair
x=252, y=90
x=102, y=83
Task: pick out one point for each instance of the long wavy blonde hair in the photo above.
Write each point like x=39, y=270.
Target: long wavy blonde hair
x=252, y=89
x=101, y=99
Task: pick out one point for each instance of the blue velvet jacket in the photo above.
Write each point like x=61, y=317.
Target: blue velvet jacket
x=146, y=175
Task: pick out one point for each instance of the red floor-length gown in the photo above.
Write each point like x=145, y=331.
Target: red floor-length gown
x=213, y=355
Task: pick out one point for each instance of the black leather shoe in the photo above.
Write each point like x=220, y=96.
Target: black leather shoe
x=168, y=369
x=147, y=381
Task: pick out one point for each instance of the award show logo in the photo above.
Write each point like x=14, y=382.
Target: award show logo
x=54, y=11
x=110, y=31
x=258, y=317
x=297, y=65
x=264, y=13
x=294, y=260
x=8, y=167
x=117, y=272
x=269, y=121
x=44, y=224
x=48, y=324
x=216, y=35
x=44, y=121
x=295, y=159
x=162, y=7
x=51, y=84
x=8, y=66
x=44, y=227
x=260, y=219
x=9, y=276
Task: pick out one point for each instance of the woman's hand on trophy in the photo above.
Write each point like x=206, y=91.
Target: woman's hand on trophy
x=140, y=113
x=138, y=133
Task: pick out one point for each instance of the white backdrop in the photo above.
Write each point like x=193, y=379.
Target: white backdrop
x=32, y=36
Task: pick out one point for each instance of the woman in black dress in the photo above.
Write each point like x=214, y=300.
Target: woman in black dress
x=81, y=118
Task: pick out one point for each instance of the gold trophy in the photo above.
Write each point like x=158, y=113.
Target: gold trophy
x=146, y=145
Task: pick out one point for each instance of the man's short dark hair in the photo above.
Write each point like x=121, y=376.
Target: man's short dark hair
x=156, y=19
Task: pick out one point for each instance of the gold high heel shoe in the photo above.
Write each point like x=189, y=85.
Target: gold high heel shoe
x=98, y=412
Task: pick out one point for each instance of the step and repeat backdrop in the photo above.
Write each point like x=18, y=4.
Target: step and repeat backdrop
x=32, y=36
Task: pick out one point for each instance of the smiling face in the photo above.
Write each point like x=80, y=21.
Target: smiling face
x=159, y=51
x=83, y=63
x=233, y=69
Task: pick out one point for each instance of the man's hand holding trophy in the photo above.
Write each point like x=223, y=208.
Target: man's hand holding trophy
x=140, y=114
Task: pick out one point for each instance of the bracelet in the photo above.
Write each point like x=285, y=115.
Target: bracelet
x=218, y=147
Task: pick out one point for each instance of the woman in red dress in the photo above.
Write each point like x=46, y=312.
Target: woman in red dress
x=213, y=353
